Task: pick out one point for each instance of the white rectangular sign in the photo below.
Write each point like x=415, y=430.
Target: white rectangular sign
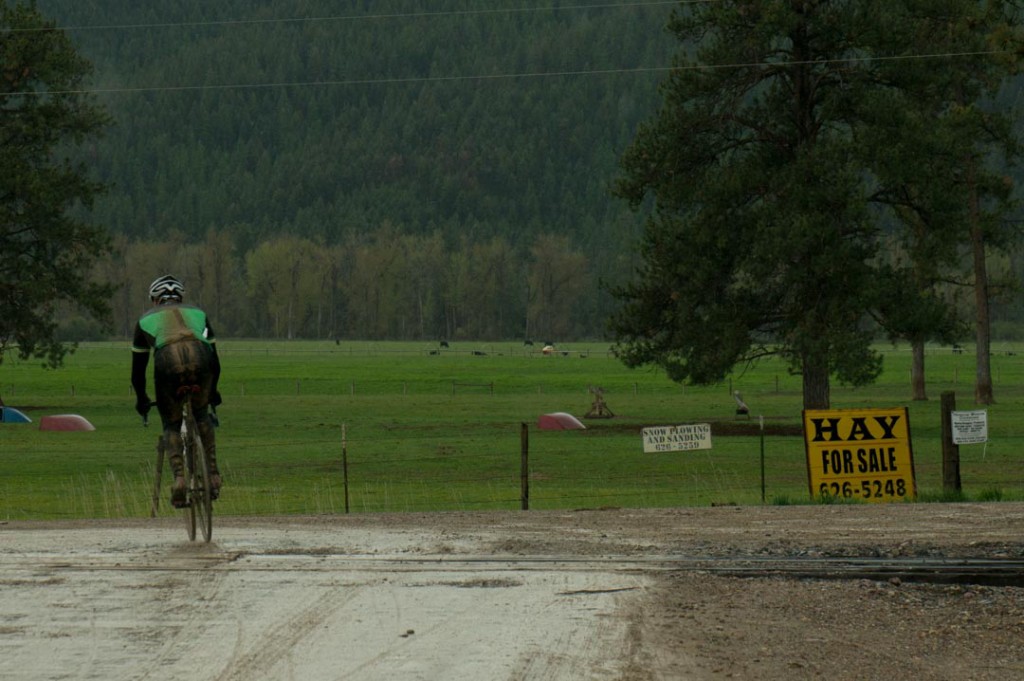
x=969, y=427
x=677, y=438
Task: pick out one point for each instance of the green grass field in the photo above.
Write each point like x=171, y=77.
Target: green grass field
x=427, y=429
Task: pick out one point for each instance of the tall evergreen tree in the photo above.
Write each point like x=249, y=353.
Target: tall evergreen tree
x=47, y=247
x=934, y=142
x=760, y=238
x=986, y=137
x=758, y=241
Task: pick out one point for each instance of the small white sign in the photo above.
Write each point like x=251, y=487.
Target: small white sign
x=677, y=438
x=969, y=427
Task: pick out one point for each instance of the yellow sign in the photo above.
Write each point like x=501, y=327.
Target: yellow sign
x=859, y=454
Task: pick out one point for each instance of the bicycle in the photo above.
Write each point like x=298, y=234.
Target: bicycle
x=198, y=495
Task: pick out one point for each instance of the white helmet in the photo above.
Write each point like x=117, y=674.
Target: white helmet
x=165, y=288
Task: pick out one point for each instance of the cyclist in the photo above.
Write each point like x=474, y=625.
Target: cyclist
x=185, y=354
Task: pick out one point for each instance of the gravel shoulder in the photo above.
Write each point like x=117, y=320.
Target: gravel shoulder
x=509, y=595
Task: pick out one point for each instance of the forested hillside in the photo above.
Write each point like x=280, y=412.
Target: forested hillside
x=394, y=168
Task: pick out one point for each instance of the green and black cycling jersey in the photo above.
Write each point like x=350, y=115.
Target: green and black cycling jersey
x=167, y=324
x=185, y=352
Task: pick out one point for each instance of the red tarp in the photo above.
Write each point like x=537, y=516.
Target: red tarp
x=65, y=422
x=559, y=421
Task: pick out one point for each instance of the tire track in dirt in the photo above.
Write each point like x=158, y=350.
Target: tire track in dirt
x=186, y=595
x=409, y=640
x=120, y=623
x=583, y=651
x=262, y=657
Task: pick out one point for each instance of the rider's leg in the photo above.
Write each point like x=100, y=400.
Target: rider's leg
x=172, y=436
x=201, y=409
x=206, y=434
x=174, y=444
x=166, y=381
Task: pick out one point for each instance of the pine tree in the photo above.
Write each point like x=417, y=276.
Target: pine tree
x=759, y=238
x=47, y=245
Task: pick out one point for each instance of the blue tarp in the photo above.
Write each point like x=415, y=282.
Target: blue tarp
x=12, y=415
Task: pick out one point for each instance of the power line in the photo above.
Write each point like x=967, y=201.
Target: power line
x=440, y=79
x=355, y=17
x=500, y=76
x=346, y=82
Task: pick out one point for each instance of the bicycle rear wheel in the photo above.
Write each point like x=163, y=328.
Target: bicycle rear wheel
x=189, y=451
x=200, y=493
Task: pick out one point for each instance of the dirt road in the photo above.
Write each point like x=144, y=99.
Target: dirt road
x=612, y=594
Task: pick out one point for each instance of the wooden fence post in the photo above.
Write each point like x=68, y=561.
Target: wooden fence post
x=524, y=465
x=950, y=451
x=760, y=420
x=344, y=463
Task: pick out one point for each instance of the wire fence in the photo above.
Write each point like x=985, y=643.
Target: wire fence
x=567, y=470
x=416, y=471
x=427, y=435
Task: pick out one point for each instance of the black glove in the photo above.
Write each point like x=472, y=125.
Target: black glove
x=142, y=405
x=215, y=399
